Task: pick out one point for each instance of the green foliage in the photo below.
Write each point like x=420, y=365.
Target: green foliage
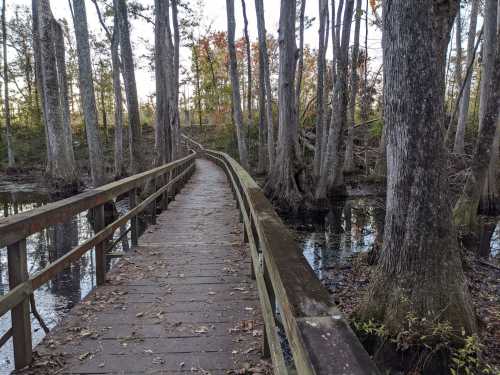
x=376, y=128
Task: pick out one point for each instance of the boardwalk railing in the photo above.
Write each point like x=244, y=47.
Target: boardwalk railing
x=163, y=181
x=290, y=294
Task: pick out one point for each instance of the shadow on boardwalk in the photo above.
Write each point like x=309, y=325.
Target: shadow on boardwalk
x=182, y=301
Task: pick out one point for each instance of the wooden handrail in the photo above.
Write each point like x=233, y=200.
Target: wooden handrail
x=320, y=338
x=15, y=229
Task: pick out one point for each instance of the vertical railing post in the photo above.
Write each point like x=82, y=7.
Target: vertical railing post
x=153, y=204
x=100, y=250
x=21, y=322
x=134, y=232
x=272, y=299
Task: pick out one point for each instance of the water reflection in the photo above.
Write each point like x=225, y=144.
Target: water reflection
x=55, y=298
x=353, y=226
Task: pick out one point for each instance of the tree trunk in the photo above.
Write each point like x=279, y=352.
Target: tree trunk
x=6, y=104
x=331, y=179
x=238, y=115
x=465, y=211
x=50, y=62
x=320, y=97
x=261, y=166
x=490, y=196
x=162, y=125
x=458, y=146
x=300, y=66
x=419, y=270
x=172, y=66
x=118, y=101
x=261, y=28
x=282, y=185
x=135, y=142
x=349, y=157
x=249, y=71
x=87, y=94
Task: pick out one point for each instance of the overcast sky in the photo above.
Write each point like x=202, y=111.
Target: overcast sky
x=214, y=13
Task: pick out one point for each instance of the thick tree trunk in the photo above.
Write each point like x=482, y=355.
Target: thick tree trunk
x=51, y=72
x=162, y=125
x=87, y=94
x=118, y=102
x=282, y=184
x=135, y=142
x=349, y=157
x=490, y=195
x=458, y=146
x=8, y=129
x=465, y=211
x=331, y=178
x=261, y=28
x=235, y=84
x=419, y=269
x=172, y=75
x=320, y=97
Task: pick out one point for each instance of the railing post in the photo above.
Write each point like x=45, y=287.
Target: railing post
x=272, y=300
x=132, y=202
x=100, y=250
x=153, y=204
x=20, y=315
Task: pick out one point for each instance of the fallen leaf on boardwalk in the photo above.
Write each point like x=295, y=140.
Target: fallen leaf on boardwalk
x=182, y=364
x=212, y=293
x=202, y=329
x=101, y=364
x=139, y=315
x=84, y=356
x=249, y=308
x=240, y=289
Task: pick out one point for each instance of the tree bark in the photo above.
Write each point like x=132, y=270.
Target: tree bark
x=320, y=97
x=419, y=269
x=135, y=142
x=489, y=198
x=262, y=162
x=249, y=70
x=50, y=62
x=458, y=146
x=331, y=178
x=349, y=157
x=465, y=211
x=171, y=62
x=87, y=94
x=261, y=28
x=282, y=184
x=8, y=127
x=162, y=124
x=300, y=66
x=238, y=115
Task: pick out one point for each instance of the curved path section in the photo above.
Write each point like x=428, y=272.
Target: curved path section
x=182, y=301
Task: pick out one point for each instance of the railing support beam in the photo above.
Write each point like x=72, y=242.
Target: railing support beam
x=21, y=322
x=100, y=248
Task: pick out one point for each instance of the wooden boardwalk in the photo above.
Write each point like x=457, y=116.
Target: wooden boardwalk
x=182, y=301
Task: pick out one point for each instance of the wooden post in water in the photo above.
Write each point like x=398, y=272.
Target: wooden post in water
x=134, y=233
x=100, y=250
x=20, y=315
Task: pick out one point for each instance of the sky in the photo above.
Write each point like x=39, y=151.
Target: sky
x=213, y=13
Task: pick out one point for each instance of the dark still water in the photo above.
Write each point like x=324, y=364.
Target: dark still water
x=351, y=226
x=55, y=298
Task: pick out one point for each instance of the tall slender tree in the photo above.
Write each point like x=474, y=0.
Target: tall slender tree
x=135, y=142
x=458, y=146
x=235, y=85
x=321, y=68
x=6, y=104
x=261, y=28
x=349, y=151
x=87, y=94
x=419, y=271
x=249, y=69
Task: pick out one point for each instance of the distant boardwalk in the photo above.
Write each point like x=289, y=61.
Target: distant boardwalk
x=183, y=301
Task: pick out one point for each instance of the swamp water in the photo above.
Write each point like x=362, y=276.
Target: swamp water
x=351, y=226
x=70, y=286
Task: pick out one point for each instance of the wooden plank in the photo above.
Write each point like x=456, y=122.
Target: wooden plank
x=100, y=254
x=14, y=297
x=20, y=315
